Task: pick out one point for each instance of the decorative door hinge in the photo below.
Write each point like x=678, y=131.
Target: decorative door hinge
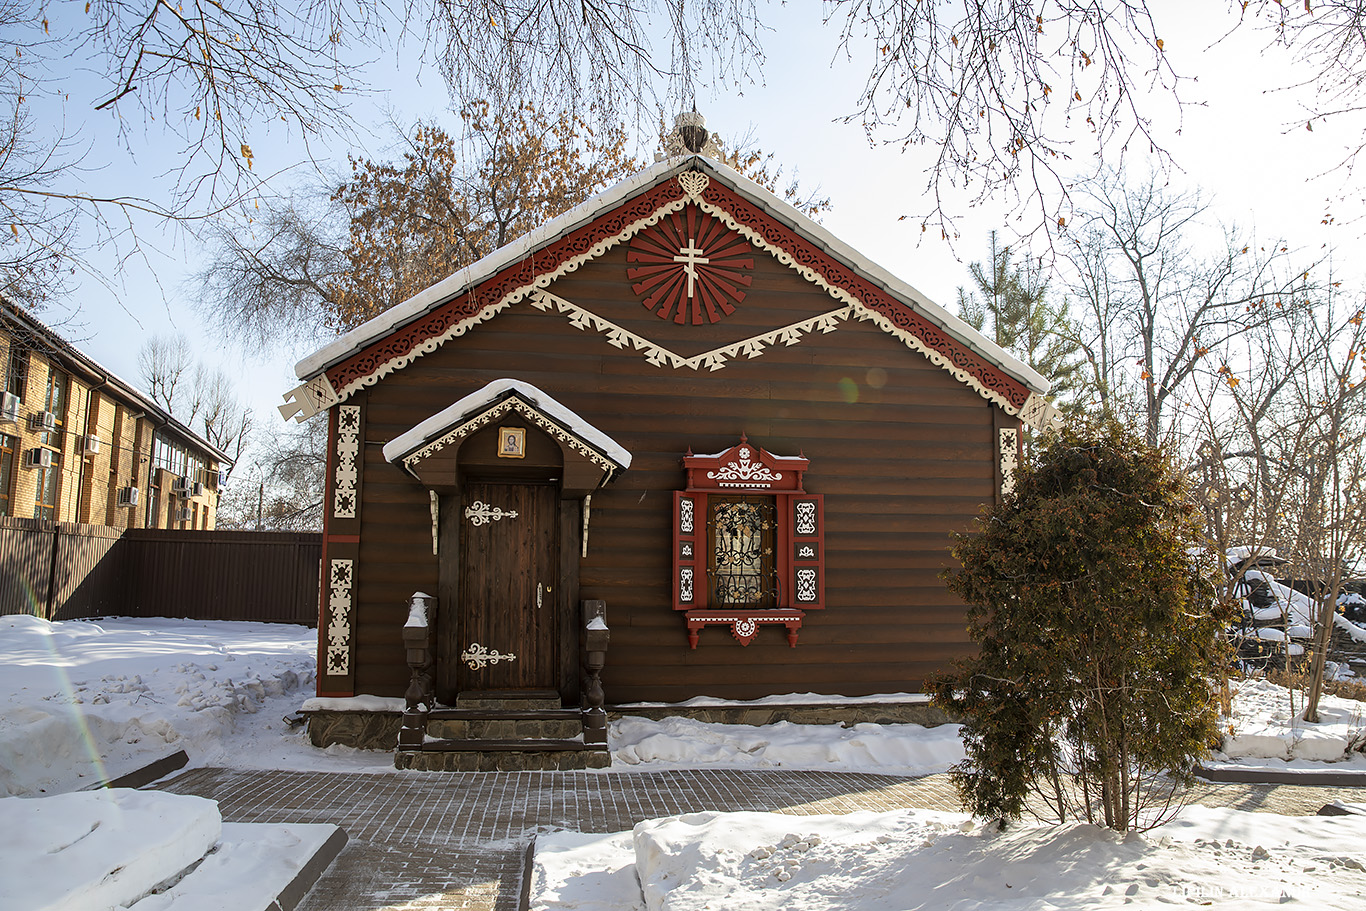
x=481, y=513
x=477, y=656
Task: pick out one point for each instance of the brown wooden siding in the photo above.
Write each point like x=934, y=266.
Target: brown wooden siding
x=902, y=451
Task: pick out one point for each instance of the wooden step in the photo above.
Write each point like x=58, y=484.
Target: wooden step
x=502, y=760
x=524, y=746
x=504, y=715
x=508, y=700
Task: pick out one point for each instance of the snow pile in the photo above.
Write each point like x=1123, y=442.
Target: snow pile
x=913, y=859
x=98, y=849
x=788, y=699
x=1292, y=612
x=1263, y=725
x=86, y=699
x=144, y=850
x=894, y=749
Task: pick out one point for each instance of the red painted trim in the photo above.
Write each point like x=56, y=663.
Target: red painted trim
x=340, y=539
x=804, y=253
x=522, y=274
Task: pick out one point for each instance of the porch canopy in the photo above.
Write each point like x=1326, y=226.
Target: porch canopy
x=427, y=451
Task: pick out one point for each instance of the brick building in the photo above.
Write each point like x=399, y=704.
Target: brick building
x=79, y=444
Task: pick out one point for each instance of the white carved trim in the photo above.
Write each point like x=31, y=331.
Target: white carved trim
x=1039, y=412
x=806, y=585
x=477, y=656
x=860, y=311
x=744, y=471
x=1010, y=458
x=513, y=403
x=481, y=513
x=308, y=399
x=340, y=579
x=348, y=448
x=685, y=515
x=806, y=517
x=714, y=359
x=541, y=281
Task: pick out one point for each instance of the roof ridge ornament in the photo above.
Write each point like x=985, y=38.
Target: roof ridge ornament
x=691, y=137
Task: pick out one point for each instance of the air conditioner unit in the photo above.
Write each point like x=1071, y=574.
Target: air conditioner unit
x=128, y=496
x=197, y=490
x=43, y=420
x=38, y=458
x=91, y=444
x=9, y=408
x=183, y=515
x=181, y=487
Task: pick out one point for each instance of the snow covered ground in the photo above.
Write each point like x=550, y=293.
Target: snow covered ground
x=913, y=859
x=891, y=749
x=144, y=851
x=85, y=699
x=82, y=700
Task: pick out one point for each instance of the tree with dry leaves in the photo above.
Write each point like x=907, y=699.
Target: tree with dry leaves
x=394, y=227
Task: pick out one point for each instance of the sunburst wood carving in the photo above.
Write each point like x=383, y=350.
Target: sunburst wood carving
x=690, y=266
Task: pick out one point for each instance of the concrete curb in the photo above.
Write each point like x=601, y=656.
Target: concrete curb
x=1270, y=776
x=291, y=895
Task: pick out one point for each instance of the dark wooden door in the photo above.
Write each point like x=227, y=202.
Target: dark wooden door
x=509, y=556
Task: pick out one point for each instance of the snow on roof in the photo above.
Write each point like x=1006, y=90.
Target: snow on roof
x=422, y=302
x=434, y=426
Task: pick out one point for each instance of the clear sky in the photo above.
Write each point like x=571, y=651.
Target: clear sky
x=1234, y=146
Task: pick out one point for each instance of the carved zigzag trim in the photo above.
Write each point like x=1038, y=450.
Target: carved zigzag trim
x=487, y=313
x=714, y=359
x=1035, y=408
x=856, y=306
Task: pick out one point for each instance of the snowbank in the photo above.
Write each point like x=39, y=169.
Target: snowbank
x=894, y=749
x=98, y=849
x=1264, y=726
x=80, y=699
x=914, y=859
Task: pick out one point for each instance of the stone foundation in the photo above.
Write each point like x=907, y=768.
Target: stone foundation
x=502, y=760
x=362, y=730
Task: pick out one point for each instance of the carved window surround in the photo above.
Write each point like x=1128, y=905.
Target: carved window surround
x=778, y=583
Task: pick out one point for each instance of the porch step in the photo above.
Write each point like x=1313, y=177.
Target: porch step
x=528, y=745
x=466, y=724
x=487, y=760
x=508, y=700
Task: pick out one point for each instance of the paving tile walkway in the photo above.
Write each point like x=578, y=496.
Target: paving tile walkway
x=422, y=841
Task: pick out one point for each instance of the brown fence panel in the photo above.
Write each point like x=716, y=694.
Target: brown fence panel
x=222, y=575
x=26, y=547
x=88, y=577
x=67, y=571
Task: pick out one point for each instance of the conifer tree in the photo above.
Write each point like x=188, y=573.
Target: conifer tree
x=1100, y=631
x=1011, y=307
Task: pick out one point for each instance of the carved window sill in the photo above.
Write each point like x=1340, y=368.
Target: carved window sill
x=744, y=624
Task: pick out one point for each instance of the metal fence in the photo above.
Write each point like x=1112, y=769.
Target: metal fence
x=62, y=571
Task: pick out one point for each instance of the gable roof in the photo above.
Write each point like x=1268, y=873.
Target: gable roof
x=525, y=267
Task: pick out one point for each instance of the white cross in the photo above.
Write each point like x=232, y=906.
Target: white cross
x=691, y=258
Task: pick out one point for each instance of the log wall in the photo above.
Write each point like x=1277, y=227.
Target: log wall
x=903, y=452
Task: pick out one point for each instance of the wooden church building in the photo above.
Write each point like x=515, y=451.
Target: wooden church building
x=682, y=411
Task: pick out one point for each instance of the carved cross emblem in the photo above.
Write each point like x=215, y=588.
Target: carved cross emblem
x=690, y=267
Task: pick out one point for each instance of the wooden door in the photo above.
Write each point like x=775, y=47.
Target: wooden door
x=508, y=562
